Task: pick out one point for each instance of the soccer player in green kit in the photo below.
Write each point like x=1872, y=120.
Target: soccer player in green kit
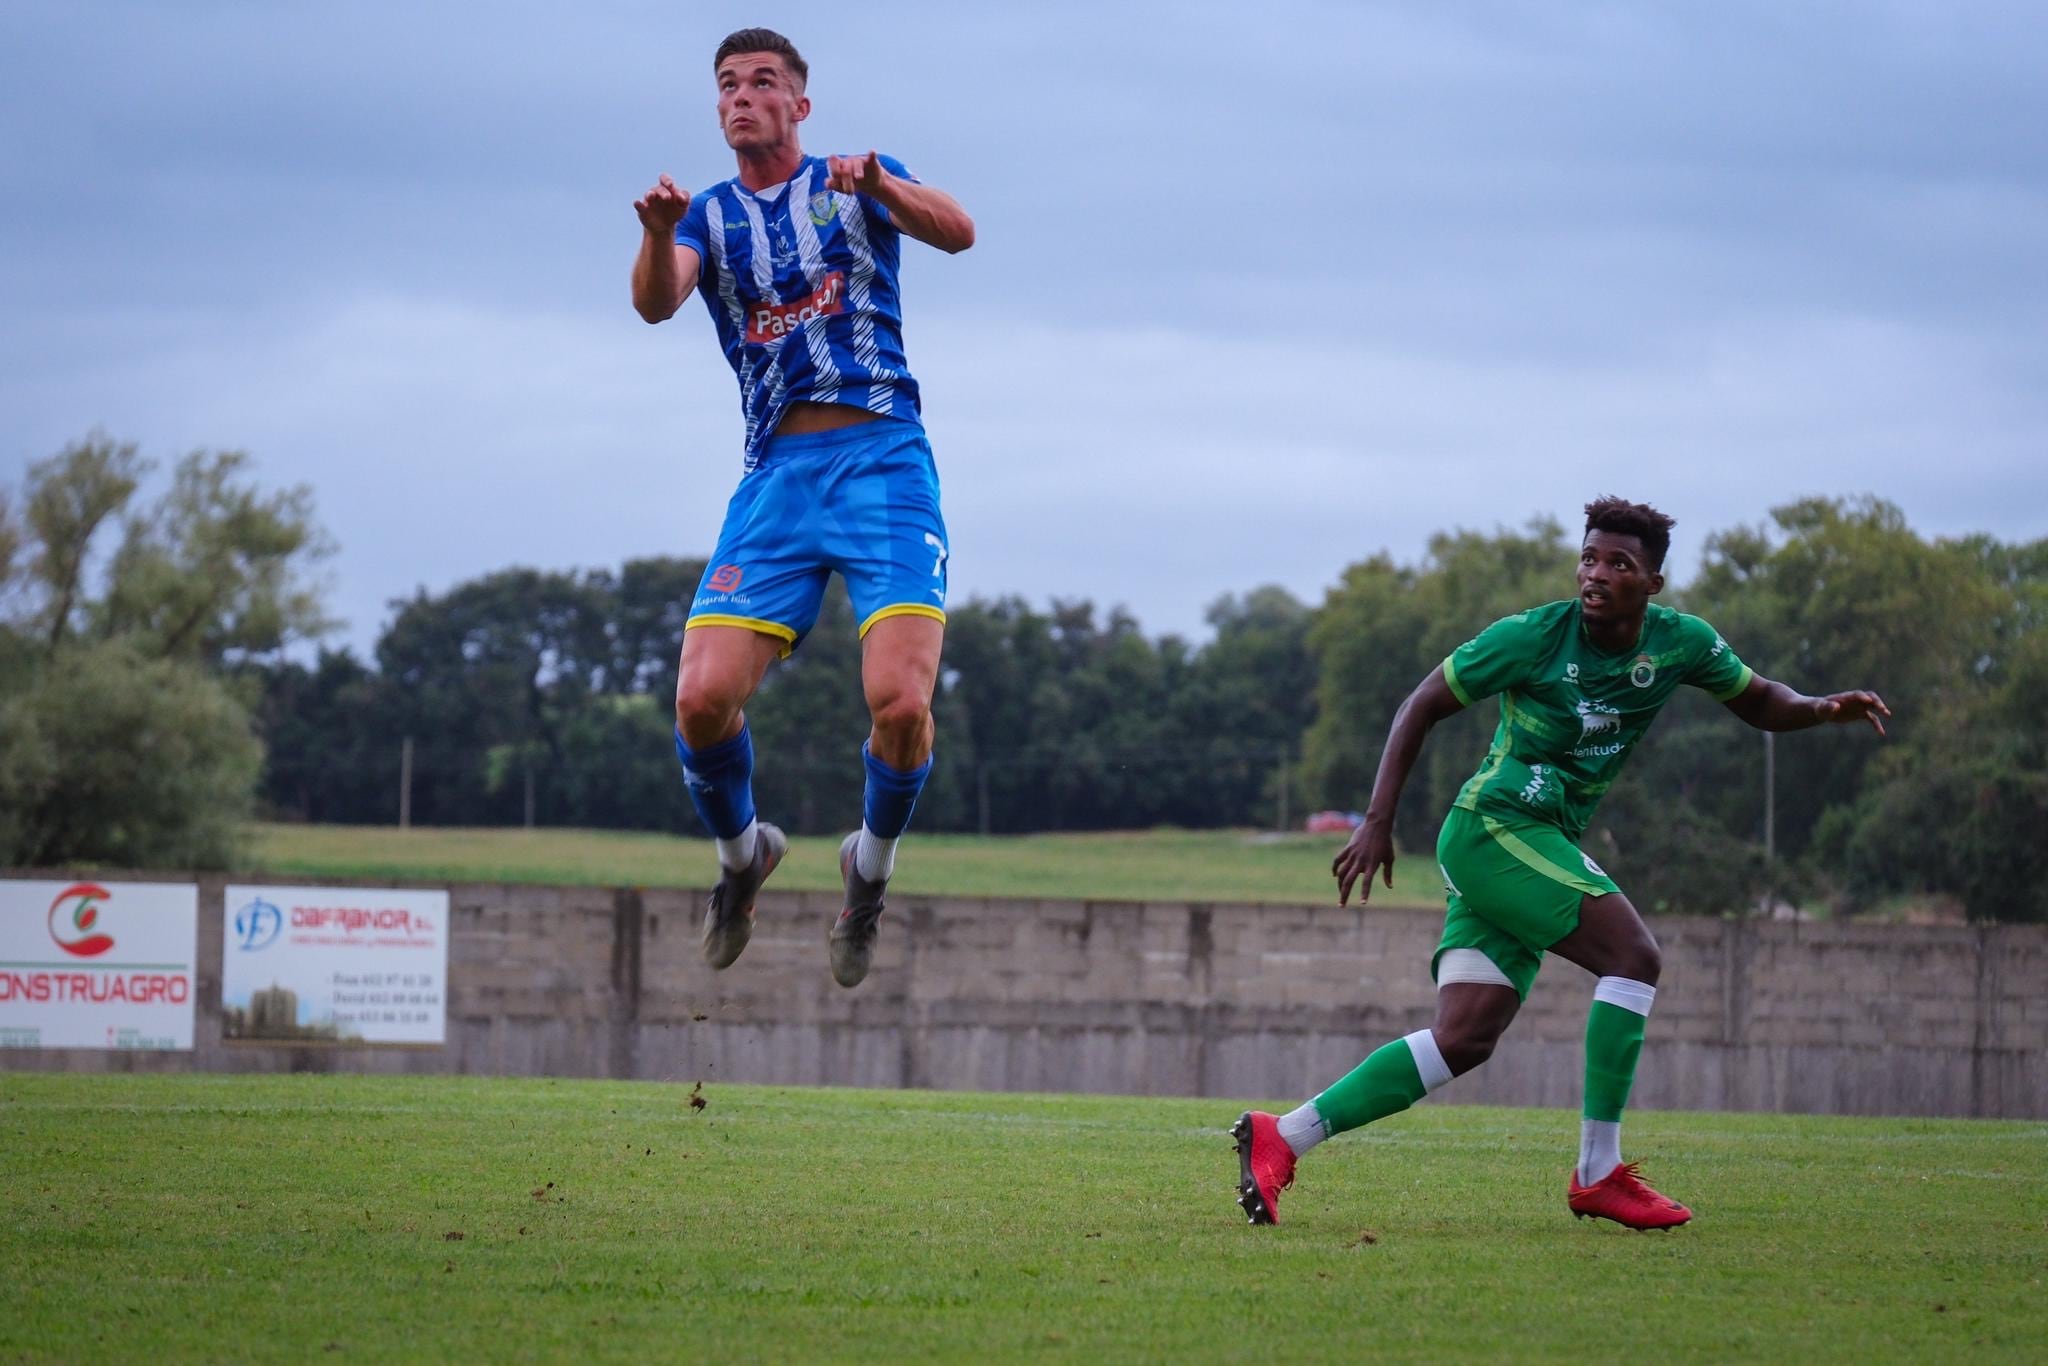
x=1579, y=682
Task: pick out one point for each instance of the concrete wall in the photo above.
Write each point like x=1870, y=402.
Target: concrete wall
x=1177, y=999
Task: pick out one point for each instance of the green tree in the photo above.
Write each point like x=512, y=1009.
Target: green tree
x=123, y=738
x=112, y=757
x=1960, y=805
x=502, y=661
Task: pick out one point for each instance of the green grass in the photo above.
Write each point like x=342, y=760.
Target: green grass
x=1150, y=865
x=220, y=1217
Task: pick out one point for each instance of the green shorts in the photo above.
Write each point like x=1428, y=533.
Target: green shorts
x=1513, y=889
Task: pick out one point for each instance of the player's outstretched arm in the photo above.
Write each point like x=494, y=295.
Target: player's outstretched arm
x=1769, y=705
x=1371, y=847
x=932, y=216
x=663, y=273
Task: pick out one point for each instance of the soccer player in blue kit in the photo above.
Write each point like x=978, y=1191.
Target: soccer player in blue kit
x=796, y=259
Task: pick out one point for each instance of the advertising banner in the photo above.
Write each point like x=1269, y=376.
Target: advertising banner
x=92, y=965
x=333, y=964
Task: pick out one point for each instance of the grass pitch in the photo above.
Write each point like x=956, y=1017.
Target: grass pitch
x=190, y=1217
x=1145, y=865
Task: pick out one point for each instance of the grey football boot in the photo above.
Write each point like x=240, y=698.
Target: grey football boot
x=729, y=919
x=853, y=933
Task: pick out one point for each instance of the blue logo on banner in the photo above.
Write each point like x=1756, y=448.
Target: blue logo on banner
x=257, y=923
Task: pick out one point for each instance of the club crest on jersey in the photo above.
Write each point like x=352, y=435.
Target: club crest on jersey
x=768, y=322
x=1644, y=672
x=824, y=208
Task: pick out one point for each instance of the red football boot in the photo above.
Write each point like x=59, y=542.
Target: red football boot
x=1265, y=1166
x=1623, y=1196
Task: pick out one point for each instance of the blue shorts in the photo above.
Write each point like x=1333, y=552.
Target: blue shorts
x=863, y=500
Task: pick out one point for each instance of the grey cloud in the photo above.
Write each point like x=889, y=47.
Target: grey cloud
x=1258, y=291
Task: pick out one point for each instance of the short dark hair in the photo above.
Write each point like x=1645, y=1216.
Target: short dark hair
x=763, y=40
x=1639, y=520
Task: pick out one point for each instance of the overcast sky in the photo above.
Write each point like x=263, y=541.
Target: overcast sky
x=1259, y=290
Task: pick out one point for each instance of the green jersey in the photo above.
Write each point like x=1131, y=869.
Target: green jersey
x=1570, y=712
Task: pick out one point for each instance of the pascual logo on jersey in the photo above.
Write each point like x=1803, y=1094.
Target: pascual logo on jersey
x=75, y=920
x=771, y=322
x=256, y=925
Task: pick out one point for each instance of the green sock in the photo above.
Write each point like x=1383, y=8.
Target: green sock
x=1384, y=1084
x=1614, y=1040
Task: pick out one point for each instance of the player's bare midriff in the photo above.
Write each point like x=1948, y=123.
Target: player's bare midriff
x=806, y=416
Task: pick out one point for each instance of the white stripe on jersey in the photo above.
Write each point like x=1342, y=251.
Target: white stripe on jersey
x=764, y=393
x=857, y=294
x=763, y=253
x=728, y=294
x=714, y=224
x=812, y=260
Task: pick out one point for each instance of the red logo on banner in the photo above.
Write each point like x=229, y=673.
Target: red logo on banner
x=74, y=915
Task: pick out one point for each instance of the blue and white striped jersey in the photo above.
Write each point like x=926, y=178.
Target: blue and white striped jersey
x=801, y=283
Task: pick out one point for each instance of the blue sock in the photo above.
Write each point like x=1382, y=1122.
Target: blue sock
x=721, y=782
x=891, y=795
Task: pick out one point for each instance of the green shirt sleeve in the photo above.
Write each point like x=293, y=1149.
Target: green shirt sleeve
x=1496, y=659
x=1715, y=667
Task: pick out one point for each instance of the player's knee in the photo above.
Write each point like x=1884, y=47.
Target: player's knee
x=703, y=713
x=1465, y=1047
x=1643, y=960
x=901, y=714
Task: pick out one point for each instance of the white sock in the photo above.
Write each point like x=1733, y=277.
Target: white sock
x=1599, y=1149
x=737, y=853
x=874, y=858
x=1302, y=1127
x=1429, y=1060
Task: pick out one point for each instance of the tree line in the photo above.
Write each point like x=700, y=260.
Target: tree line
x=148, y=705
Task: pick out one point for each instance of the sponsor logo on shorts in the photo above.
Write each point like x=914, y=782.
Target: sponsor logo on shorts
x=725, y=578
x=772, y=322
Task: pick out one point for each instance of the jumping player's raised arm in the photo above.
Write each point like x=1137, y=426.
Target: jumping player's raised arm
x=665, y=271
x=930, y=215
